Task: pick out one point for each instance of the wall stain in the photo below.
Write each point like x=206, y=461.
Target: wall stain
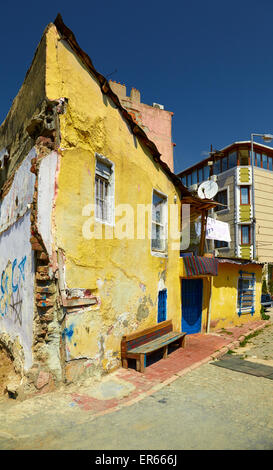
x=143, y=308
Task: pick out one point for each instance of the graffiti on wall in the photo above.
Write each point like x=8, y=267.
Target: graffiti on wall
x=11, y=290
x=17, y=269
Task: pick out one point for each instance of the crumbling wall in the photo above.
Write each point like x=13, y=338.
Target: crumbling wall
x=17, y=262
x=13, y=135
x=47, y=330
x=30, y=316
x=9, y=378
x=30, y=311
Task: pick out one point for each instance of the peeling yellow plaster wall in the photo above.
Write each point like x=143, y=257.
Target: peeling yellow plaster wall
x=123, y=273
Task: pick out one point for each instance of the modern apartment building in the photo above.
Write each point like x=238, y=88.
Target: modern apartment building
x=246, y=198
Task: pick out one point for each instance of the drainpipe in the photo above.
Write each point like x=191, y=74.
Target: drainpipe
x=253, y=201
x=209, y=308
x=236, y=238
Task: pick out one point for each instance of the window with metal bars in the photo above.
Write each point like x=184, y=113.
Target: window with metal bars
x=101, y=189
x=159, y=222
x=103, y=180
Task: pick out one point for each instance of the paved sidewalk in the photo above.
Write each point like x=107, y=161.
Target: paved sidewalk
x=125, y=387
x=67, y=417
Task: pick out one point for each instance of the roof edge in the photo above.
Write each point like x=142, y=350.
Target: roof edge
x=69, y=36
x=240, y=261
x=222, y=150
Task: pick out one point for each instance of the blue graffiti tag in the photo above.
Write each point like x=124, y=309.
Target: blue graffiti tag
x=21, y=267
x=7, y=289
x=4, y=289
x=14, y=288
x=68, y=332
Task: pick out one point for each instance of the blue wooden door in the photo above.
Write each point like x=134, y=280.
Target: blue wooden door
x=192, y=292
x=162, y=306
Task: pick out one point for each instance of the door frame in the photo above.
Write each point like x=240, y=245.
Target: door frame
x=193, y=278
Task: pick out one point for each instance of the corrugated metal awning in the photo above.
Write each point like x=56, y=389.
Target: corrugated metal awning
x=200, y=265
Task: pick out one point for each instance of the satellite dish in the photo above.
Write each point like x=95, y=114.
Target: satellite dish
x=207, y=190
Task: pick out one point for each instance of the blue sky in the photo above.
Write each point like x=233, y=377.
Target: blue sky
x=210, y=62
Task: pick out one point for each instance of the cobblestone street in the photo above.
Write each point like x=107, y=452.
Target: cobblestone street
x=259, y=348
x=209, y=408
x=136, y=230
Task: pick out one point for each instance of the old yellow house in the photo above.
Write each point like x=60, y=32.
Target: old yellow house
x=90, y=225
x=97, y=215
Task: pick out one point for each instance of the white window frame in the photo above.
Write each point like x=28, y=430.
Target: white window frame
x=109, y=182
x=163, y=223
x=245, y=224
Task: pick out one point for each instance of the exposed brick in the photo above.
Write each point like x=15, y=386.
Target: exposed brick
x=45, y=303
x=42, y=256
x=42, y=269
x=42, y=277
x=35, y=244
x=49, y=289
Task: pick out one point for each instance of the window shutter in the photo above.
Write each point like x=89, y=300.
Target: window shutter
x=246, y=293
x=162, y=305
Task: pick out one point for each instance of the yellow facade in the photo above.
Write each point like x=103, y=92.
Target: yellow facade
x=224, y=311
x=220, y=295
x=244, y=175
x=123, y=274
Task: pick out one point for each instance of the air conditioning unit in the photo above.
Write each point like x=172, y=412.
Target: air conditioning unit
x=157, y=105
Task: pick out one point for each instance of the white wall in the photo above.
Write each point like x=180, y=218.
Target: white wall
x=46, y=194
x=17, y=260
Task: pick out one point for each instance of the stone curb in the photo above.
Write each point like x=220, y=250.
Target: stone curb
x=181, y=373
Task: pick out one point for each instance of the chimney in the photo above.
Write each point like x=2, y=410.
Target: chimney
x=135, y=95
x=118, y=88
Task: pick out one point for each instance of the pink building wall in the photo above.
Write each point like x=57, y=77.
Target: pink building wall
x=157, y=123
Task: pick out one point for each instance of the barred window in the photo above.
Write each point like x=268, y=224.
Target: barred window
x=101, y=198
x=246, y=293
x=103, y=190
x=159, y=222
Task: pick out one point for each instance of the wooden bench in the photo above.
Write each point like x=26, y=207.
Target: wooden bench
x=138, y=345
